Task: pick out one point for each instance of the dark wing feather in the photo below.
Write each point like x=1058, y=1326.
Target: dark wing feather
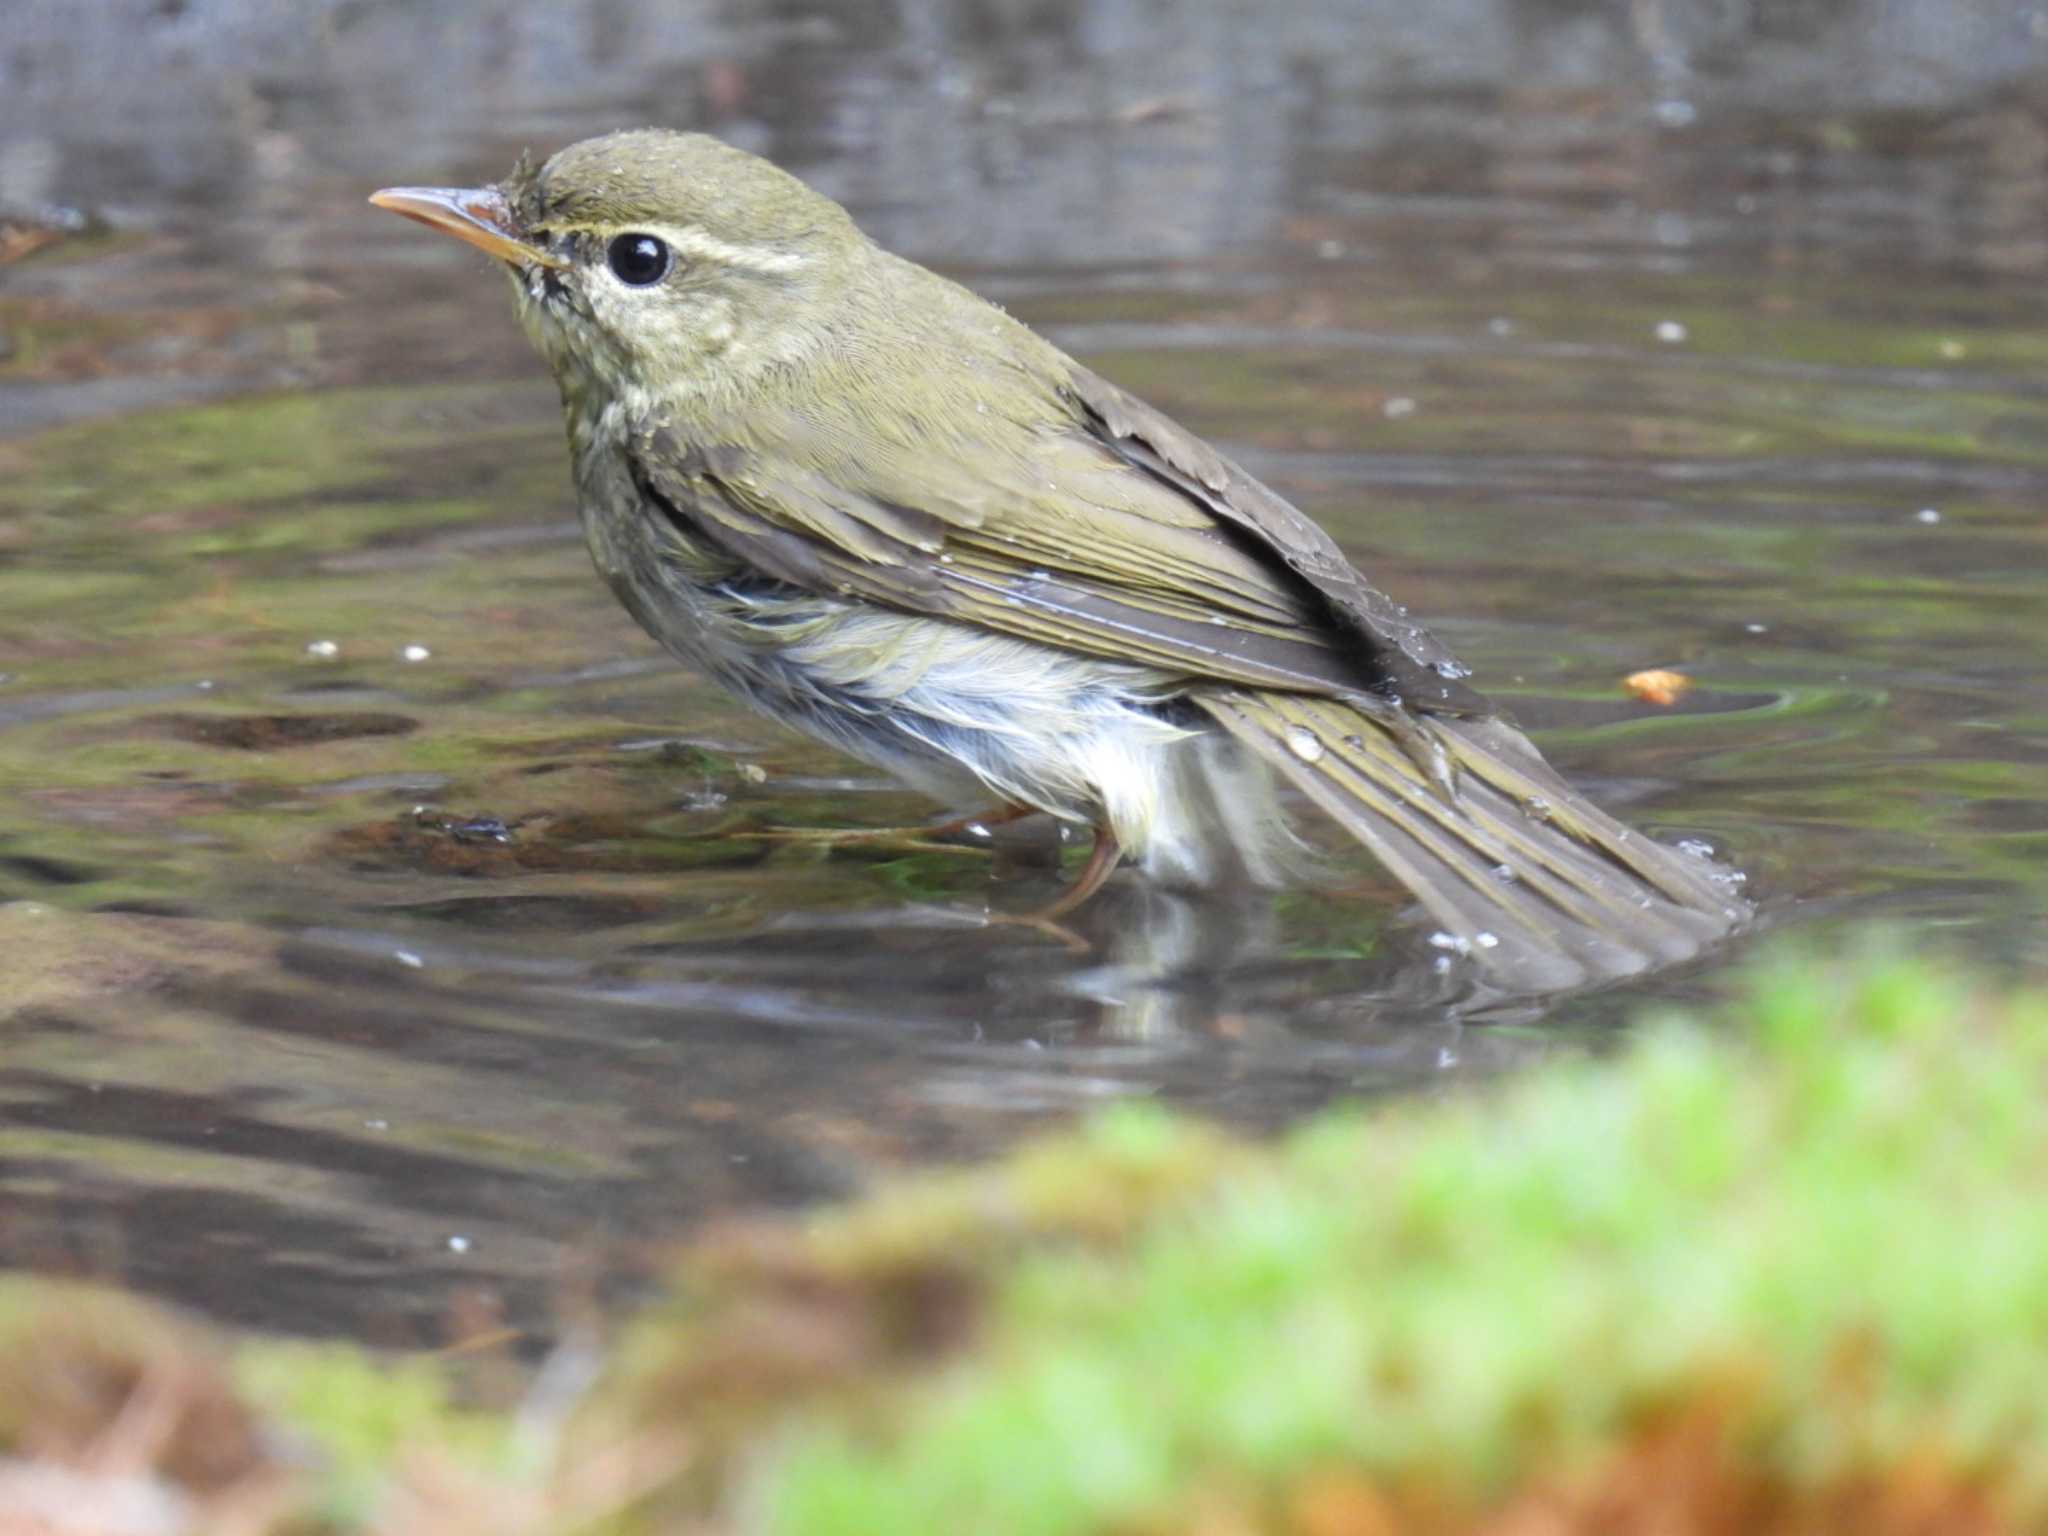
x=1417, y=666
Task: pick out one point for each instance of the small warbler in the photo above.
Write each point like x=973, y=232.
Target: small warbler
x=882, y=511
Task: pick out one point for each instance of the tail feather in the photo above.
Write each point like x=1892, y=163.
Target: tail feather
x=1523, y=872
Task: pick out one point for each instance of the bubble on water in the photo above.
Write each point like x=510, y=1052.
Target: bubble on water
x=1304, y=743
x=1756, y=629
x=414, y=653
x=457, y=1243
x=325, y=650
x=1670, y=331
x=1927, y=515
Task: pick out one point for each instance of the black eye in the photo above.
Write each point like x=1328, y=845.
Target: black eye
x=637, y=259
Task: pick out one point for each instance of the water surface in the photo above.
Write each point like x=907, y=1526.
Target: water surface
x=387, y=947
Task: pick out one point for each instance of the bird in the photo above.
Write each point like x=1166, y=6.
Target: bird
x=880, y=509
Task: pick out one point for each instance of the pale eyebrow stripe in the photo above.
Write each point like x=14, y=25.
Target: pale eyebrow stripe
x=704, y=246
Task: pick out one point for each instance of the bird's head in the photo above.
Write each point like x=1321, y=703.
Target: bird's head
x=657, y=266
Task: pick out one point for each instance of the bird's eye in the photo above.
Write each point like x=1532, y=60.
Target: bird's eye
x=638, y=260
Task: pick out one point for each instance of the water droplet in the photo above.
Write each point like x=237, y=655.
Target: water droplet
x=376, y=1125
x=458, y=1243
x=324, y=649
x=1670, y=331
x=1500, y=325
x=1756, y=629
x=1927, y=515
x=1676, y=112
x=414, y=653
x=1486, y=940
x=408, y=959
x=1449, y=941
x=1355, y=743
x=1452, y=670
x=1304, y=743
x=1537, y=807
x=1697, y=847
x=1397, y=408
x=1504, y=872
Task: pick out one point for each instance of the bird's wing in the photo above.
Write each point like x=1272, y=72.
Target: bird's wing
x=1415, y=664
x=1096, y=525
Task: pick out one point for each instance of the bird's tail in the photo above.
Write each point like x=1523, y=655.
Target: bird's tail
x=1528, y=876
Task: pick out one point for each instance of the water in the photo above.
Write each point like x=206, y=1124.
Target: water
x=388, y=939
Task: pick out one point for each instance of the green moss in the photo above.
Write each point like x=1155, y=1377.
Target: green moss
x=358, y=1418
x=1482, y=1294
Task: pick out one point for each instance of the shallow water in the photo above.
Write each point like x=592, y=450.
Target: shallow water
x=389, y=949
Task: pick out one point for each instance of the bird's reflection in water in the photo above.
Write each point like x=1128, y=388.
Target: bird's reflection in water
x=1169, y=970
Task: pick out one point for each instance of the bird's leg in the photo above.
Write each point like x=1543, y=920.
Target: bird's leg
x=1102, y=862
x=907, y=839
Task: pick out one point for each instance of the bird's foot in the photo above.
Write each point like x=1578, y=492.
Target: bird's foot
x=940, y=837
x=1102, y=862
x=859, y=839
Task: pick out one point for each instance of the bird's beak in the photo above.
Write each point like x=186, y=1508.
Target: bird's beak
x=479, y=215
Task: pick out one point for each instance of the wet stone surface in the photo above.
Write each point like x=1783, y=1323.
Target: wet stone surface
x=387, y=929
